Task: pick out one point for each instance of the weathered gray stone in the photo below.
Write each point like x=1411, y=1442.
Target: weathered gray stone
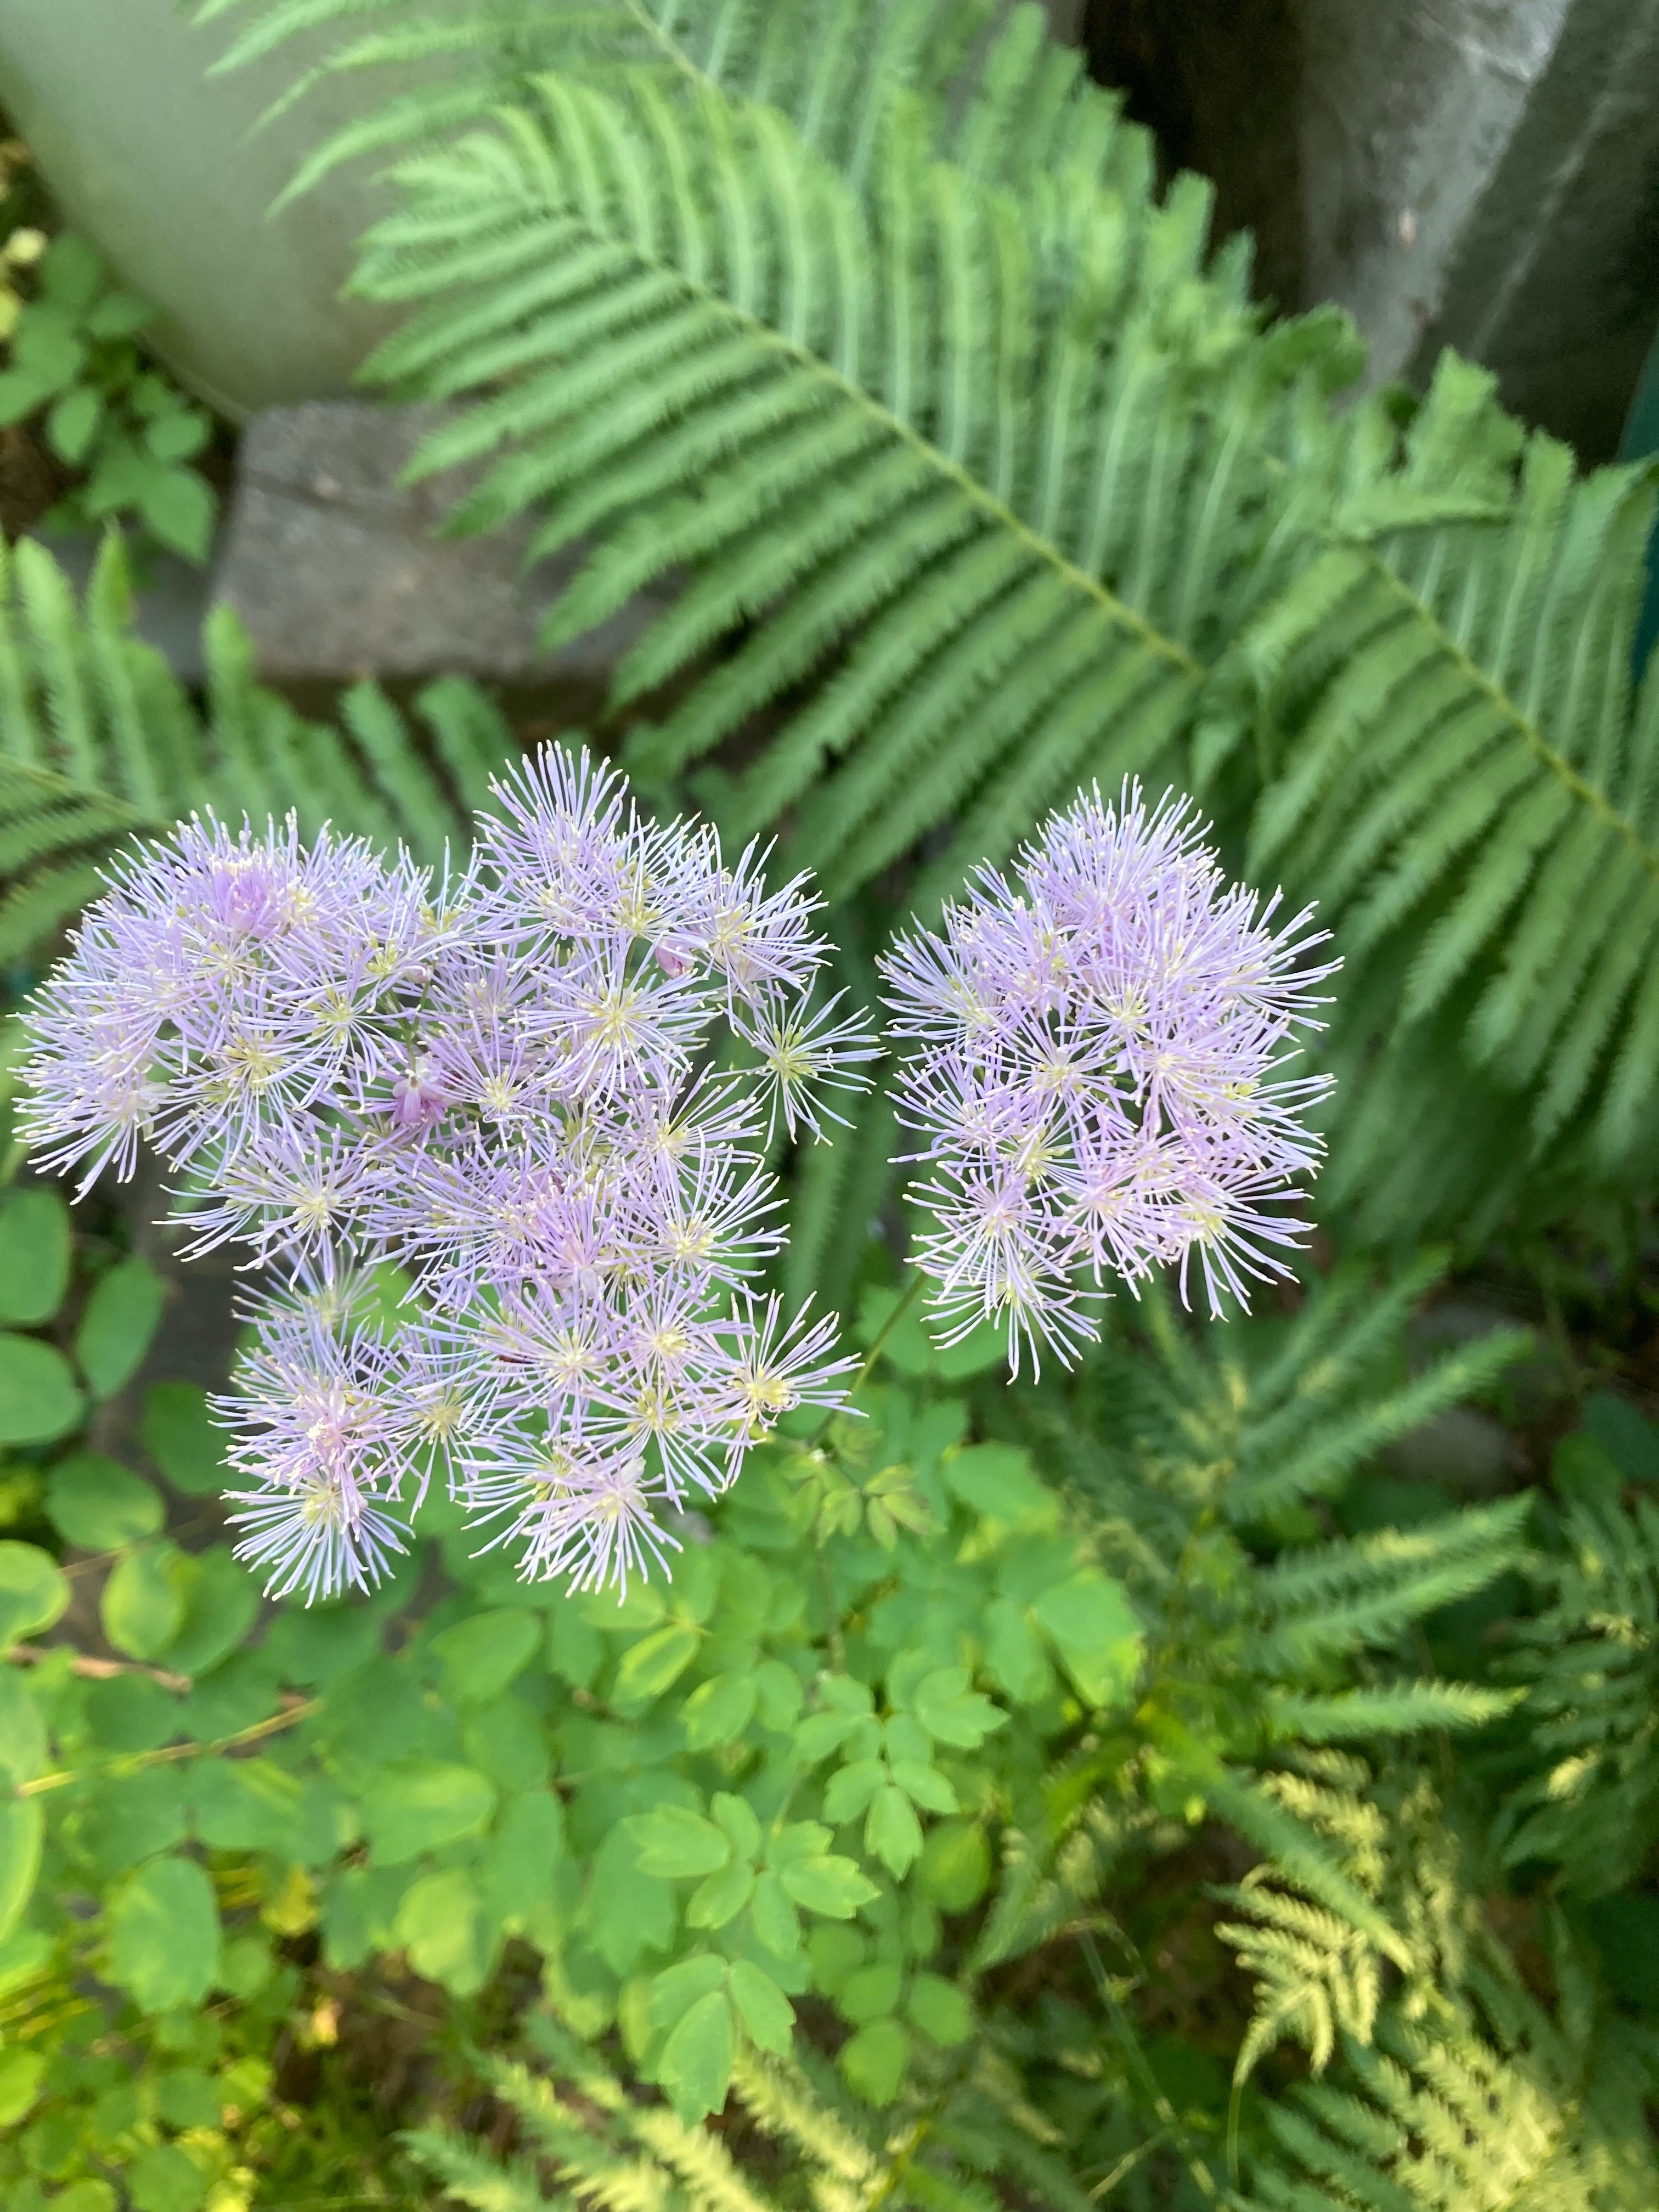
x=1406, y=112
x=172, y=178
x=334, y=567
x=1554, y=282
x=1482, y=173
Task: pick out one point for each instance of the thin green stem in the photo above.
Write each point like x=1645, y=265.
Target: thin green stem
x=1142, y=2066
x=902, y=1306
x=168, y=1752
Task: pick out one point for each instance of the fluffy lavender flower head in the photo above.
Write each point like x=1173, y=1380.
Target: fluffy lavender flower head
x=540, y=1092
x=1102, y=1087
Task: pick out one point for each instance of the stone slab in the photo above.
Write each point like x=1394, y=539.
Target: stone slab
x=1479, y=173
x=335, y=569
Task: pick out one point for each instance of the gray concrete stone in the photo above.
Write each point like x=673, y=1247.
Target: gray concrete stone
x=1554, y=280
x=1480, y=174
x=335, y=570
x=1406, y=112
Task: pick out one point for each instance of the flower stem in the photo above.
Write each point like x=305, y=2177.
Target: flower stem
x=902, y=1305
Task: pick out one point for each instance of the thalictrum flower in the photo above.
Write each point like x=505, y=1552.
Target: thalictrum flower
x=1101, y=1082
x=506, y=1085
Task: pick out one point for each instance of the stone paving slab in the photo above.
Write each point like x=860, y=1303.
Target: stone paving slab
x=334, y=567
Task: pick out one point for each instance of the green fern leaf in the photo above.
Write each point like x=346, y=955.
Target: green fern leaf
x=99, y=743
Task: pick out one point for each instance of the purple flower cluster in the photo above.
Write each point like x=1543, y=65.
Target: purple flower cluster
x=542, y=1091
x=1101, y=1085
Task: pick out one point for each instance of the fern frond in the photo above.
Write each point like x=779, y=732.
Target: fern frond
x=607, y=2147
x=816, y=398
x=1399, y=1709
x=1464, y=773
x=1339, y=1598
x=1499, y=2108
x=1320, y=1977
x=1588, y=1802
x=993, y=90
x=99, y=742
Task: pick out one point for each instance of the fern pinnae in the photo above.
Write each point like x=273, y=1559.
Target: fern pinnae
x=1630, y=1088
x=1359, y=1716
x=1296, y=1848
x=428, y=822
x=870, y=801
x=1495, y=883
x=1573, y=1062
x=1058, y=656
x=469, y=733
x=1569, y=1012
x=1320, y=1462
x=960, y=595
x=1511, y=819
x=49, y=608
x=1107, y=730
x=1327, y=1347
x=782, y=426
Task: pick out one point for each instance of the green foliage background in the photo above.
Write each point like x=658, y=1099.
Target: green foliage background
x=1125, y=1790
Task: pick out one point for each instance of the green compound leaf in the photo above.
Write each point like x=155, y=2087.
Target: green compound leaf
x=483, y=1654
x=924, y=1785
x=892, y=1829
x=165, y=2178
x=678, y=1987
x=221, y=1599
x=422, y=1804
x=849, y=1790
x=39, y=1399
x=125, y=1818
x=720, y=1898
x=953, y=1712
x=35, y=1245
x=119, y=1325
x=871, y=1993
x=245, y=1804
x=21, y=2073
x=525, y=1852
x=673, y=1843
x=1097, y=1633
x=100, y=1507
x=955, y=1869
x=874, y=2061
x=440, y=1923
x=22, y=1729
x=142, y=1607
x=774, y=1917
x=738, y=1822
x=695, y=2070
x=653, y=1665
x=998, y=1482
x=939, y=2009
x=831, y=1884
x=33, y=1592
x=717, y=1712
x=179, y=508
x=164, y=1935
x=762, y=2006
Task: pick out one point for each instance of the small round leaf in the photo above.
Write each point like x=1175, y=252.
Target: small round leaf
x=35, y=1255
x=33, y=1592
x=99, y=1507
x=39, y=1401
